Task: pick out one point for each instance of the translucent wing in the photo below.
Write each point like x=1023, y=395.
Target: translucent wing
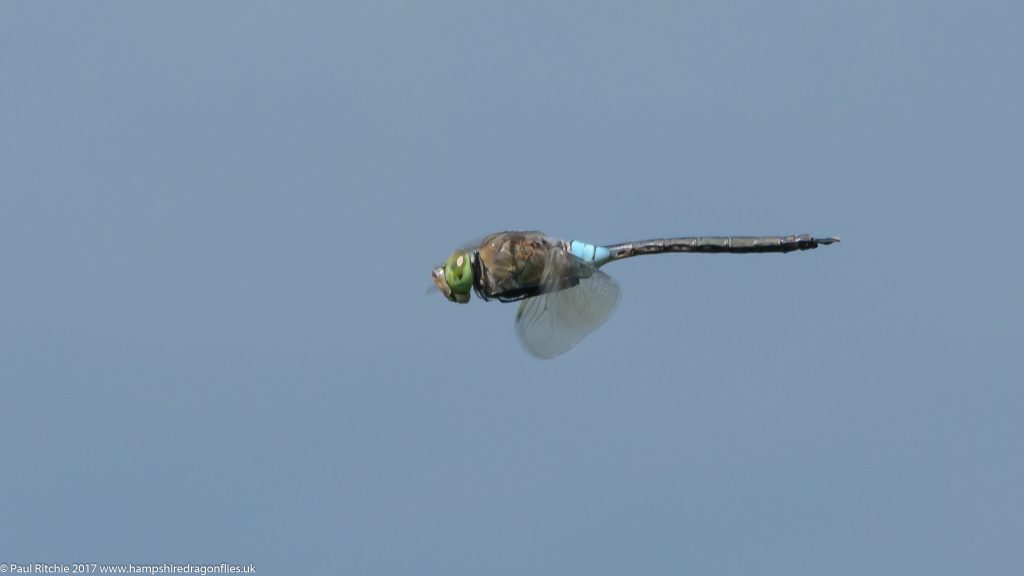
x=552, y=323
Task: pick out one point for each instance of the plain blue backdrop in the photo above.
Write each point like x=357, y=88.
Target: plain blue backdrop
x=218, y=220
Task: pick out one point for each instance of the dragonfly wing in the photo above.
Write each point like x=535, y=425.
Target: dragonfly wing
x=554, y=322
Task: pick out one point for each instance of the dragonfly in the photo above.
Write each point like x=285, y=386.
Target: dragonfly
x=563, y=293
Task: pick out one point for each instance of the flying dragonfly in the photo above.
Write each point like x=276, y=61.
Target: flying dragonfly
x=562, y=292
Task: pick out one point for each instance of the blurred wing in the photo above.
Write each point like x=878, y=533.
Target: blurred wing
x=552, y=323
x=472, y=245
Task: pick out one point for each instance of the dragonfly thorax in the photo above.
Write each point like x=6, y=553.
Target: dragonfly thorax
x=511, y=266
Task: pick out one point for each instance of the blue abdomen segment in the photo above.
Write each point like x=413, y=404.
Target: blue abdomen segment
x=589, y=252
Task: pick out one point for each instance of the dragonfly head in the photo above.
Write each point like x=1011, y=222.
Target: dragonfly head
x=455, y=278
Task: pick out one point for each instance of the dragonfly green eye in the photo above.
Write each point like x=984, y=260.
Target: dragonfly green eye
x=458, y=272
x=455, y=278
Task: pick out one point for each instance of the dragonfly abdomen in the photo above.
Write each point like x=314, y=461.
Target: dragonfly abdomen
x=592, y=253
x=719, y=245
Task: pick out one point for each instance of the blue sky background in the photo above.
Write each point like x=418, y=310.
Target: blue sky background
x=217, y=223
